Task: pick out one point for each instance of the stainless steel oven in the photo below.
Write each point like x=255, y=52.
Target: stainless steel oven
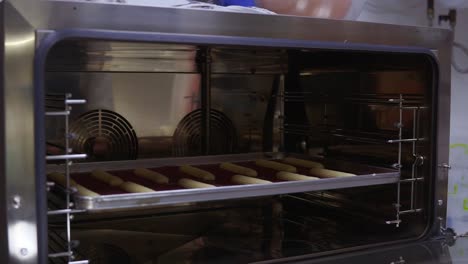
x=154, y=135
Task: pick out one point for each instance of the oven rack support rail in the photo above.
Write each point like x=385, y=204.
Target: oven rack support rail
x=418, y=160
x=403, y=103
x=67, y=158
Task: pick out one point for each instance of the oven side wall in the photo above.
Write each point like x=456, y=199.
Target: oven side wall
x=3, y=219
x=19, y=186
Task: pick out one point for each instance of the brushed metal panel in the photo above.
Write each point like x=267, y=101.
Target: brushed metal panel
x=19, y=151
x=122, y=57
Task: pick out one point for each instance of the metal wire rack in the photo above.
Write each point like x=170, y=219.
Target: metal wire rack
x=67, y=157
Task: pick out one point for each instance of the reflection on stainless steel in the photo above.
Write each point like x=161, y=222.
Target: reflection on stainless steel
x=116, y=56
x=318, y=8
x=253, y=61
x=22, y=246
x=91, y=56
x=18, y=186
x=17, y=43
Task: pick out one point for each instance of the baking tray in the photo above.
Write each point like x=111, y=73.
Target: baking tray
x=367, y=176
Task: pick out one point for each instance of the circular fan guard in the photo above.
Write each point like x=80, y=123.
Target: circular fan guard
x=187, y=136
x=103, y=135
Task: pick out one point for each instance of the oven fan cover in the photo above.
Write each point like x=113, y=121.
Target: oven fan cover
x=187, y=136
x=103, y=135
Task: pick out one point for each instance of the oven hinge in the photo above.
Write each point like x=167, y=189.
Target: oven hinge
x=448, y=235
x=445, y=166
x=443, y=229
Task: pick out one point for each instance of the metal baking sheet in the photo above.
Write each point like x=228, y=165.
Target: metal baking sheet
x=369, y=176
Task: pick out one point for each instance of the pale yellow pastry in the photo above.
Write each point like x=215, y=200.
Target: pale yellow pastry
x=303, y=163
x=132, y=187
x=289, y=176
x=152, y=176
x=198, y=173
x=191, y=184
x=238, y=169
x=324, y=173
x=106, y=177
x=241, y=179
x=275, y=165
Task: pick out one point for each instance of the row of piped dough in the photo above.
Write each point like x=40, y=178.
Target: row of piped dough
x=244, y=175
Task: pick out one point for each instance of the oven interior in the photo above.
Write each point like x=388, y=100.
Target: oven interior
x=150, y=101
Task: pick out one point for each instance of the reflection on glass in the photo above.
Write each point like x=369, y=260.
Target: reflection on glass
x=336, y=9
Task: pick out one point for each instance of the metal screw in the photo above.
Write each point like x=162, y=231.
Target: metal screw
x=440, y=202
x=24, y=252
x=71, y=204
x=16, y=201
x=71, y=217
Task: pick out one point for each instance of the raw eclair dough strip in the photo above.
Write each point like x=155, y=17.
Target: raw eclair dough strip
x=132, y=187
x=238, y=169
x=106, y=177
x=303, y=163
x=289, y=176
x=84, y=191
x=60, y=178
x=191, y=184
x=275, y=165
x=196, y=172
x=151, y=175
x=324, y=173
x=241, y=179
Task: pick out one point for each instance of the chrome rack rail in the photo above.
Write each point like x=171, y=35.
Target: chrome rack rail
x=418, y=160
x=413, y=103
x=357, y=98
x=68, y=211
